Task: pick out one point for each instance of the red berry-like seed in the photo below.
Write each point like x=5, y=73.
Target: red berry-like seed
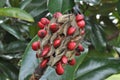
x=41, y=26
x=43, y=64
x=64, y=59
x=57, y=14
x=45, y=51
x=77, y=54
x=71, y=30
x=36, y=45
x=79, y=17
x=42, y=33
x=72, y=62
x=80, y=48
x=82, y=32
x=81, y=24
x=71, y=45
x=44, y=21
x=54, y=27
x=56, y=42
x=59, y=69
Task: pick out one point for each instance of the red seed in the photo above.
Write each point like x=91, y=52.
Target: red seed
x=77, y=54
x=45, y=51
x=43, y=64
x=42, y=33
x=82, y=32
x=81, y=24
x=72, y=62
x=79, y=48
x=44, y=21
x=64, y=59
x=71, y=30
x=54, y=27
x=36, y=45
x=79, y=17
x=41, y=26
x=57, y=14
x=71, y=45
x=59, y=69
x=57, y=43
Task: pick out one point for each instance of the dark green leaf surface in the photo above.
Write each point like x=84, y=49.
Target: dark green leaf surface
x=118, y=7
x=13, y=31
x=96, y=35
x=17, y=46
x=94, y=2
x=16, y=13
x=24, y=3
x=2, y=3
x=60, y=5
x=29, y=61
x=8, y=70
x=97, y=69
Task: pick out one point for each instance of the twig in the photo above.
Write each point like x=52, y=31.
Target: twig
x=38, y=73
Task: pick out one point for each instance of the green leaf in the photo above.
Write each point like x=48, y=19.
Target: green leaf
x=60, y=5
x=2, y=3
x=118, y=7
x=40, y=9
x=114, y=77
x=10, y=72
x=16, y=13
x=94, y=2
x=17, y=46
x=12, y=31
x=97, y=36
x=24, y=3
x=14, y=3
x=29, y=61
x=97, y=69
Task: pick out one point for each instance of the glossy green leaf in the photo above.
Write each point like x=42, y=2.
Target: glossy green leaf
x=94, y=2
x=12, y=31
x=60, y=5
x=17, y=46
x=29, y=61
x=97, y=69
x=96, y=35
x=2, y=3
x=14, y=3
x=118, y=7
x=40, y=9
x=24, y=3
x=114, y=77
x=16, y=13
x=37, y=8
x=8, y=70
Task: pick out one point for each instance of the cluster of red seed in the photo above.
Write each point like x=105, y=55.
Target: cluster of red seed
x=45, y=49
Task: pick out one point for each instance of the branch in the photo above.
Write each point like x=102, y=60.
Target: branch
x=38, y=73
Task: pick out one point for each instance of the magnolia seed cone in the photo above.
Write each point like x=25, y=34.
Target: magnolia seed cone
x=63, y=37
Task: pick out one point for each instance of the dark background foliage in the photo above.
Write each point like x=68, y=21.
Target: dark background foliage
x=18, y=27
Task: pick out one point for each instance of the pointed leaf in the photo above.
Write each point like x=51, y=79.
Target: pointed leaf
x=16, y=13
x=29, y=61
x=60, y=5
x=97, y=69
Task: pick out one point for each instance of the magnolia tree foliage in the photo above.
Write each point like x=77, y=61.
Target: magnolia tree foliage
x=19, y=27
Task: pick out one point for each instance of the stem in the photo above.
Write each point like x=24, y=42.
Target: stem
x=38, y=73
